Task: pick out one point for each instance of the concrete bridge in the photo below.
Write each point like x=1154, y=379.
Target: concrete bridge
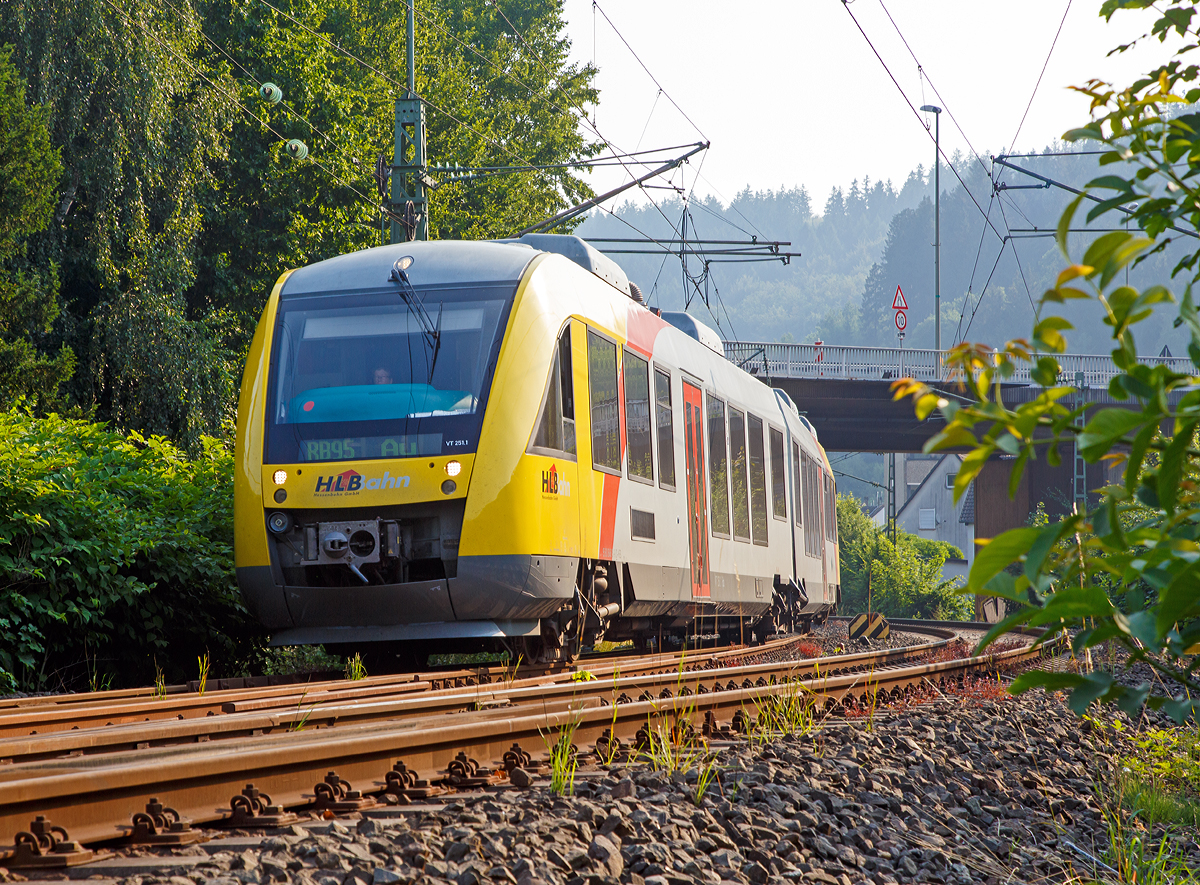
x=845, y=391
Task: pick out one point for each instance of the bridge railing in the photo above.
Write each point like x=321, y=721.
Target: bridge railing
x=838, y=362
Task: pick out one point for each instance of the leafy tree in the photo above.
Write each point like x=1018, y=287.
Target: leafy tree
x=1129, y=570
x=29, y=170
x=177, y=207
x=905, y=579
x=498, y=94
x=138, y=120
x=115, y=552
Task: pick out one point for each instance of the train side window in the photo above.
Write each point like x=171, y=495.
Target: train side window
x=639, y=442
x=740, y=491
x=606, y=417
x=798, y=497
x=778, y=475
x=666, y=429
x=718, y=467
x=758, y=481
x=812, y=505
x=556, y=426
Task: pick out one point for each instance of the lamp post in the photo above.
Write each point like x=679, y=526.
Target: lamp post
x=937, y=225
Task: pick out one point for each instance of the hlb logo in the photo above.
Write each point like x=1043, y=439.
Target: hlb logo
x=553, y=484
x=350, y=481
x=353, y=481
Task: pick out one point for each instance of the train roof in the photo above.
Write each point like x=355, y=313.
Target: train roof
x=450, y=262
x=434, y=263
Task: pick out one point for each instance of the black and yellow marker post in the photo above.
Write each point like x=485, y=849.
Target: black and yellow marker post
x=871, y=625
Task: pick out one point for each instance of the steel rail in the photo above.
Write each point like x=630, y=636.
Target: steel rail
x=95, y=801
x=86, y=710
x=260, y=716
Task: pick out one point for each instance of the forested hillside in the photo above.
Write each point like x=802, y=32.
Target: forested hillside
x=873, y=236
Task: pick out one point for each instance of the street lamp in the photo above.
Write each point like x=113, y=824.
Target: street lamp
x=937, y=224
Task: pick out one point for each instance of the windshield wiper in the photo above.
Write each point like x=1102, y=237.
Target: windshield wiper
x=431, y=329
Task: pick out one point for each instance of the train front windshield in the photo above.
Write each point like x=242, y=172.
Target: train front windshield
x=368, y=375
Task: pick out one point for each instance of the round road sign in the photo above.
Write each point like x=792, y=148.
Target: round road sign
x=901, y=322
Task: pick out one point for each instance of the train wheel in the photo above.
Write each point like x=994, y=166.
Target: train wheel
x=540, y=650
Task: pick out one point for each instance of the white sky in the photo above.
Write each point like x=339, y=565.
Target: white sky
x=790, y=93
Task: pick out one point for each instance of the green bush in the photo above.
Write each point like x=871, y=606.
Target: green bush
x=116, y=552
x=905, y=578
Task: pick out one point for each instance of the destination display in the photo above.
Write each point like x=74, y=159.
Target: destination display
x=410, y=445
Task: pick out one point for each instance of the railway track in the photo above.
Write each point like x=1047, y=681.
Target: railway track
x=400, y=739
x=40, y=716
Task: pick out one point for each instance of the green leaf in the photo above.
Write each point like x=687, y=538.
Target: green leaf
x=1064, y=221
x=1044, y=543
x=1132, y=699
x=1106, y=428
x=1173, y=463
x=998, y=554
x=1137, y=455
x=1089, y=601
x=1106, y=523
x=1102, y=249
x=1141, y=625
x=1180, y=598
x=1090, y=688
x=1182, y=709
x=1048, y=331
x=1049, y=680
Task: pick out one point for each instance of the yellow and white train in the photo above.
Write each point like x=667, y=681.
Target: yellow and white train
x=448, y=445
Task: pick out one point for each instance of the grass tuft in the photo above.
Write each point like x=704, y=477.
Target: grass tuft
x=203, y=662
x=355, y=668
x=564, y=759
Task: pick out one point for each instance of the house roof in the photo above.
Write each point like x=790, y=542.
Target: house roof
x=912, y=497
x=967, y=516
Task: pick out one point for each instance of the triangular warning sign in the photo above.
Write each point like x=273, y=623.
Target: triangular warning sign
x=898, y=303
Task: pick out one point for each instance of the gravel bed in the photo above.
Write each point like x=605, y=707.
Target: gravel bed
x=833, y=635
x=954, y=791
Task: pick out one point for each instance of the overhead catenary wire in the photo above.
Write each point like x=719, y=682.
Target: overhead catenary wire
x=1017, y=258
x=990, y=172
x=436, y=107
x=1045, y=65
x=619, y=155
x=526, y=167
x=924, y=74
x=424, y=99
x=582, y=112
x=583, y=118
x=662, y=91
x=983, y=291
x=684, y=249
x=257, y=82
x=917, y=114
x=597, y=6
x=235, y=100
x=974, y=268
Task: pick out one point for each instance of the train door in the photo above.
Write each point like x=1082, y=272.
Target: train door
x=823, y=492
x=797, y=514
x=831, y=535
x=693, y=433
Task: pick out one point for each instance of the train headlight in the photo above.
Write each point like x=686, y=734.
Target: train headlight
x=280, y=477
x=448, y=487
x=453, y=468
